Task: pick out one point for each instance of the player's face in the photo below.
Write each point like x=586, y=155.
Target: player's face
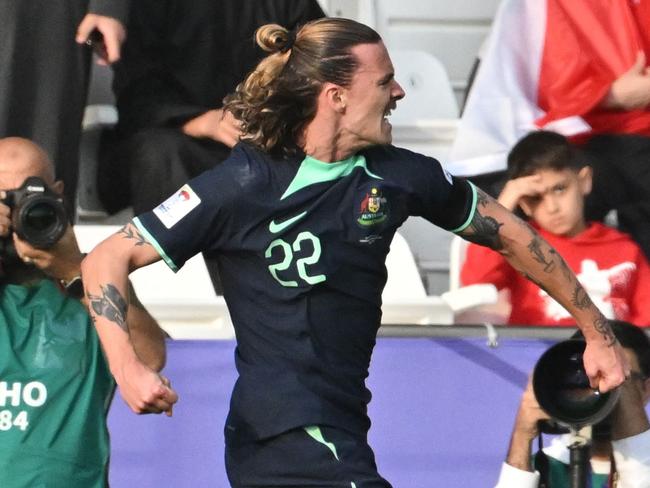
x=559, y=207
x=371, y=96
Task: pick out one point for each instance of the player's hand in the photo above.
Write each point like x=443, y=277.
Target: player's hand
x=219, y=125
x=112, y=32
x=631, y=90
x=61, y=262
x=605, y=364
x=518, y=188
x=144, y=390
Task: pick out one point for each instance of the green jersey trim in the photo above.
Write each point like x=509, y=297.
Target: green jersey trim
x=472, y=212
x=315, y=433
x=154, y=243
x=313, y=171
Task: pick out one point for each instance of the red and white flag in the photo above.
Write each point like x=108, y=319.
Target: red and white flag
x=547, y=65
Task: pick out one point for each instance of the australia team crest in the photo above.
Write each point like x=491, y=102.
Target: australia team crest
x=373, y=208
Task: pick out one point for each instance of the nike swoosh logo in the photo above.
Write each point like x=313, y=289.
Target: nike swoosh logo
x=274, y=227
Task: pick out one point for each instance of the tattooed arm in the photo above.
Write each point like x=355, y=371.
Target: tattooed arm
x=127, y=343
x=494, y=226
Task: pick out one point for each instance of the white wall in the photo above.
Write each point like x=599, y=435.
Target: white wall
x=452, y=31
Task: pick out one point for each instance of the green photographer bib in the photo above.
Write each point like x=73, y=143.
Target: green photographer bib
x=55, y=390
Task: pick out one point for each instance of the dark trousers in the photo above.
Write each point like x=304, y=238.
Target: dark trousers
x=621, y=165
x=144, y=169
x=316, y=457
x=149, y=166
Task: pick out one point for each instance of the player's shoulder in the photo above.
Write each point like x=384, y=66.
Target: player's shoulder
x=404, y=164
x=398, y=156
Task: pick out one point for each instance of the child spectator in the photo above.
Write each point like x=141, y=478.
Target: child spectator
x=549, y=181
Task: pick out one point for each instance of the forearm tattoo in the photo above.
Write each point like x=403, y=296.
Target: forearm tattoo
x=129, y=231
x=580, y=298
x=602, y=325
x=484, y=229
x=535, y=248
x=111, y=305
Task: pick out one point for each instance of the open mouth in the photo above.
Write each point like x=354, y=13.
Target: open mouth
x=387, y=113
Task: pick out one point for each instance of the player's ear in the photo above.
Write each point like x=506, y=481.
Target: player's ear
x=335, y=96
x=585, y=179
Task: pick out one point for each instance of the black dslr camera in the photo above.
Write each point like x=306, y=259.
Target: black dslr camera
x=562, y=389
x=38, y=215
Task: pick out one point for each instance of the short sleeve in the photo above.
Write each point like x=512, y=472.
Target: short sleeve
x=433, y=193
x=199, y=217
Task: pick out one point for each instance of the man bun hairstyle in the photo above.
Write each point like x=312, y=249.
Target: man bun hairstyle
x=279, y=97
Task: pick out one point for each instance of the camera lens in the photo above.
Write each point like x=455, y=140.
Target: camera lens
x=40, y=217
x=40, y=220
x=562, y=387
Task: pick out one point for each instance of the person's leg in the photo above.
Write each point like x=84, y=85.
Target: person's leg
x=140, y=171
x=311, y=457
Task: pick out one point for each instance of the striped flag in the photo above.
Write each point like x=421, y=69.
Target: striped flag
x=547, y=65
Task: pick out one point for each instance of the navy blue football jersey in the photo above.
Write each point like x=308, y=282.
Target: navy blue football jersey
x=301, y=246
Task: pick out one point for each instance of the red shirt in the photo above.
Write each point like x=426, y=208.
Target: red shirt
x=588, y=45
x=610, y=266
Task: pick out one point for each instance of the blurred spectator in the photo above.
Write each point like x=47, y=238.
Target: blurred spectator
x=44, y=68
x=549, y=181
x=623, y=437
x=179, y=62
x=578, y=68
x=55, y=384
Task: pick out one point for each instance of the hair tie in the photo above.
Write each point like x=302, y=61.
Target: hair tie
x=291, y=40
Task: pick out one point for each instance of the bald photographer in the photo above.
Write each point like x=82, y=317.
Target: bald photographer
x=620, y=447
x=55, y=384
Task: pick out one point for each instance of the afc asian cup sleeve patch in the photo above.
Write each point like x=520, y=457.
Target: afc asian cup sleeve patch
x=172, y=210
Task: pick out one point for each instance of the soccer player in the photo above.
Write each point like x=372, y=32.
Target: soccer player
x=301, y=217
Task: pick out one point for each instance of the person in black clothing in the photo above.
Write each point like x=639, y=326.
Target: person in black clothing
x=179, y=62
x=45, y=55
x=300, y=218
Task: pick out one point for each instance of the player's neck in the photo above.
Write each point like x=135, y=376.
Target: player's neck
x=322, y=140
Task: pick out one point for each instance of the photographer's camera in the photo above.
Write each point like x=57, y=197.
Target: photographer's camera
x=38, y=216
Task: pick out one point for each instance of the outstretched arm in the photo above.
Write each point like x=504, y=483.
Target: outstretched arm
x=105, y=274
x=494, y=226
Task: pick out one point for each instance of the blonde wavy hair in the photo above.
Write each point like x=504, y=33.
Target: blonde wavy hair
x=277, y=99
